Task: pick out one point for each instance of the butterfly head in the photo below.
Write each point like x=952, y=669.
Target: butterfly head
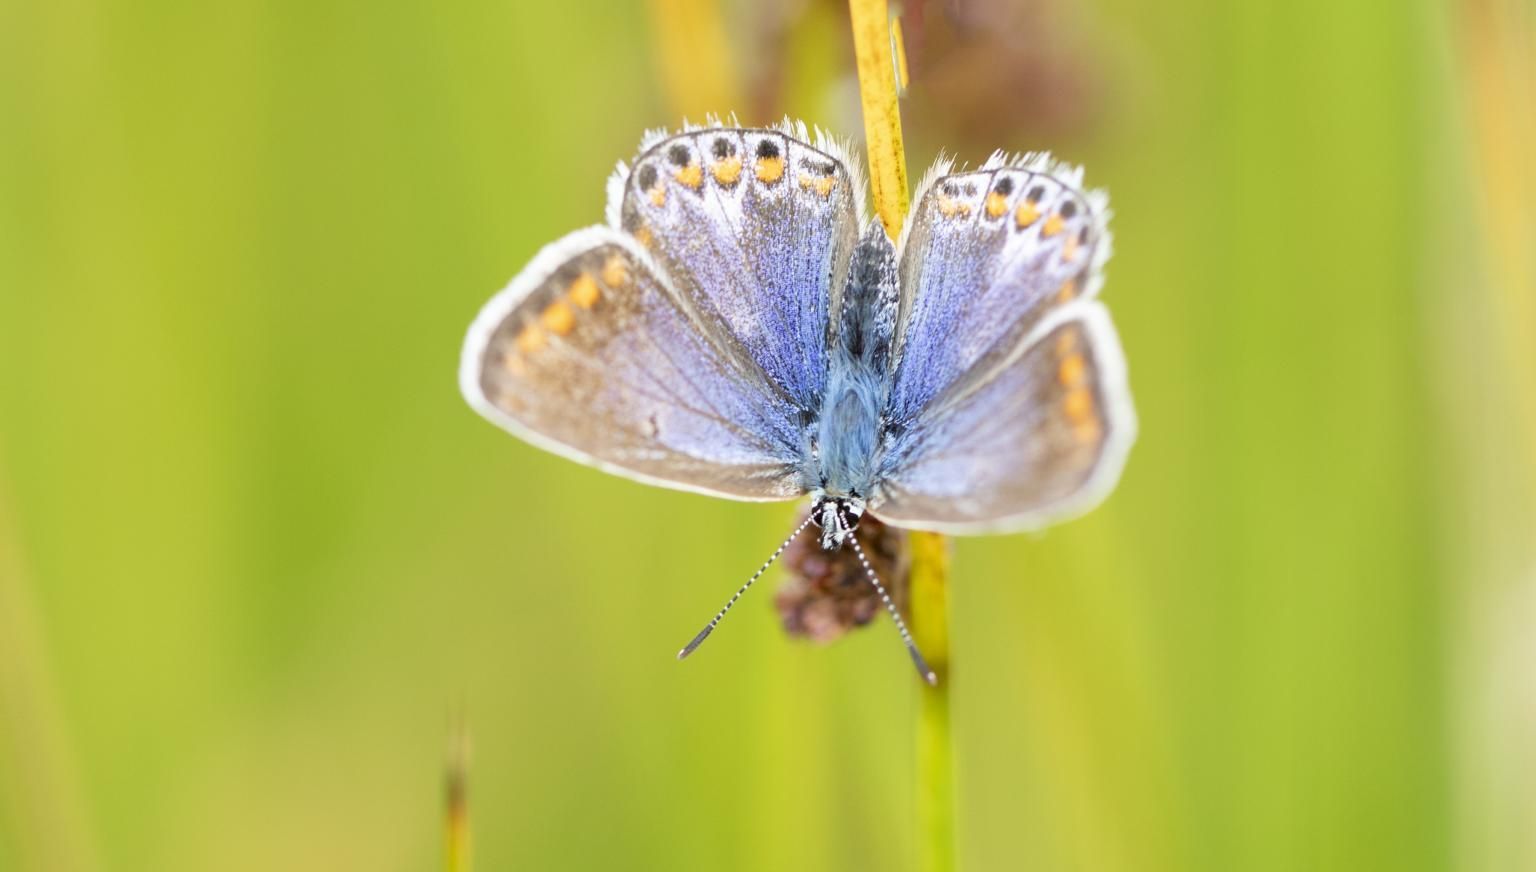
x=837, y=517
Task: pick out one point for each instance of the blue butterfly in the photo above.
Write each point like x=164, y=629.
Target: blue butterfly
x=740, y=328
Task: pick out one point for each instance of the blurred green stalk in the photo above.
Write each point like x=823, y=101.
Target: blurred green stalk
x=456, y=829
x=43, y=818
x=1492, y=345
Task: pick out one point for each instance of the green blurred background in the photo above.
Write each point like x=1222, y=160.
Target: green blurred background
x=257, y=558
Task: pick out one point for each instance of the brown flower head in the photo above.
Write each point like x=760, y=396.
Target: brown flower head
x=827, y=594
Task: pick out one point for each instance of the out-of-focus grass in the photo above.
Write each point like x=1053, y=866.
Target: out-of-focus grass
x=266, y=548
x=1487, y=384
x=39, y=800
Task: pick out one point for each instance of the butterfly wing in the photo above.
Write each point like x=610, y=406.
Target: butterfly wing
x=756, y=228
x=593, y=354
x=984, y=256
x=1041, y=438
x=1008, y=406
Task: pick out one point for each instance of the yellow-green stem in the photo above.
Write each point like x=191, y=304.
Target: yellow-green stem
x=882, y=116
x=929, y=598
x=456, y=830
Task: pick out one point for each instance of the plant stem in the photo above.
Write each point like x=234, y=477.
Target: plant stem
x=929, y=601
x=929, y=598
x=882, y=116
x=456, y=829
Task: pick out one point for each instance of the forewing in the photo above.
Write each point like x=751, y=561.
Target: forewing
x=755, y=228
x=590, y=353
x=984, y=257
x=1043, y=437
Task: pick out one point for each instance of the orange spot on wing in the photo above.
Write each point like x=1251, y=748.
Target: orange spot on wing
x=950, y=207
x=691, y=175
x=1069, y=249
x=1053, y=226
x=1078, y=405
x=1072, y=369
x=728, y=170
x=558, y=318
x=531, y=339
x=770, y=169
x=1067, y=291
x=615, y=274
x=1026, y=215
x=997, y=204
x=583, y=292
x=822, y=186
x=659, y=196
x=643, y=236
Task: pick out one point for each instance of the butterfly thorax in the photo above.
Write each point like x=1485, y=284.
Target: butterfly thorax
x=848, y=429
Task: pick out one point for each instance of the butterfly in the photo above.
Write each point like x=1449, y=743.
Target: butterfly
x=739, y=327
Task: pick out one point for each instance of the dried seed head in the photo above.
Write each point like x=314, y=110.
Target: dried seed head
x=827, y=593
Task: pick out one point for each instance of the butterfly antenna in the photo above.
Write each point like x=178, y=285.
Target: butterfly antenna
x=715, y=621
x=906, y=637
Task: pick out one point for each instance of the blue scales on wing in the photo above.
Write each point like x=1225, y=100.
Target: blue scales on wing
x=755, y=228
x=1041, y=438
x=593, y=354
x=1008, y=405
x=985, y=255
